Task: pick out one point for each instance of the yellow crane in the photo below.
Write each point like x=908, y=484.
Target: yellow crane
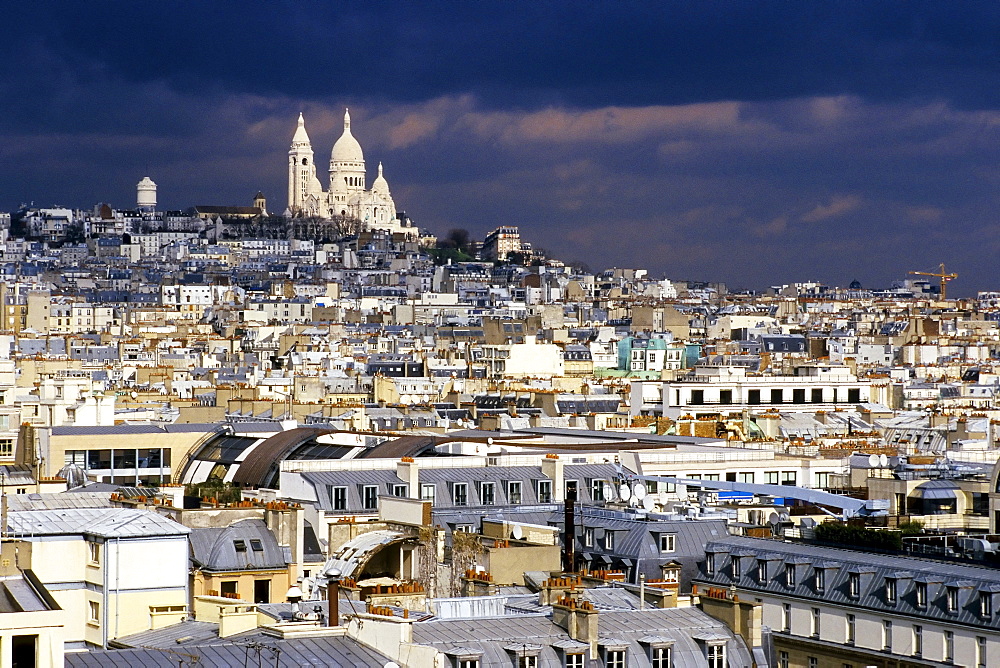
x=943, y=275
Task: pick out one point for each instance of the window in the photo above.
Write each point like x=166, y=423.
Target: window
x=820, y=579
x=609, y=540
x=980, y=652
x=427, y=493
x=789, y=575
x=753, y=397
x=530, y=661
x=574, y=661
x=6, y=446
x=615, y=658
x=544, y=491
x=737, y=568
x=745, y=476
x=370, y=497
x=851, y=628
x=399, y=490
x=782, y=659
x=668, y=542
x=460, y=494
x=985, y=604
x=762, y=571
x=951, y=599
x=514, y=491
x=949, y=646
x=697, y=397
x=890, y=591
x=588, y=537
x=799, y=395
x=854, y=585
x=725, y=396
x=709, y=563
x=813, y=662
x=94, y=613
x=597, y=489
x=918, y=640
x=788, y=477
x=786, y=617
x=228, y=588
x=716, y=656
x=771, y=477
x=815, y=623
x=661, y=657
x=256, y=545
x=817, y=395
x=468, y=663
x=488, y=493
x=887, y=635
x=921, y=594
x=240, y=545
x=95, y=553
x=777, y=396
x=340, y=498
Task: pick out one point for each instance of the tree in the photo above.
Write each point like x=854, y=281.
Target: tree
x=456, y=238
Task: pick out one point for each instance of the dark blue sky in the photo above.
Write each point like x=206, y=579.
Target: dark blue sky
x=750, y=142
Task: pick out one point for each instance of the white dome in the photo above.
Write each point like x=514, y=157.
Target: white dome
x=300, y=136
x=380, y=185
x=347, y=148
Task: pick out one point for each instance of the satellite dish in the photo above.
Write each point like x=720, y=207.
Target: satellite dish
x=639, y=491
x=873, y=460
x=772, y=518
x=649, y=503
x=883, y=460
x=489, y=441
x=134, y=394
x=785, y=517
x=516, y=532
x=608, y=491
x=624, y=492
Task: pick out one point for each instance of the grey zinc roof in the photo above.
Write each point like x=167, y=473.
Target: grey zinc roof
x=104, y=522
x=215, y=549
x=616, y=628
x=291, y=653
x=874, y=569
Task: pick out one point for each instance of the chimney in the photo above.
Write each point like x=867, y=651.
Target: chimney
x=333, y=599
x=409, y=472
x=552, y=468
x=569, y=534
x=579, y=618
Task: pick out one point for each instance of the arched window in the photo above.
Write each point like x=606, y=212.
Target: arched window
x=305, y=161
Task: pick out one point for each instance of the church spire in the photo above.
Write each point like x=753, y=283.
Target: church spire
x=347, y=120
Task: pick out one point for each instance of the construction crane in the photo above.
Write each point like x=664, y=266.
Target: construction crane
x=943, y=275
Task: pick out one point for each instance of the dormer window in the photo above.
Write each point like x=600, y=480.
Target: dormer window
x=737, y=568
x=789, y=575
x=890, y=591
x=709, y=563
x=920, y=592
x=762, y=571
x=820, y=580
x=985, y=604
x=854, y=585
x=951, y=599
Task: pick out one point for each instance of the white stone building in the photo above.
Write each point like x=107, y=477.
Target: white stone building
x=348, y=194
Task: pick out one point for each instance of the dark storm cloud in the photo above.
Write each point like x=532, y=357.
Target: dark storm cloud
x=526, y=54
x=751, y=142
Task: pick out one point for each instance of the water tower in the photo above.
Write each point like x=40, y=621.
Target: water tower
x=146, y=194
